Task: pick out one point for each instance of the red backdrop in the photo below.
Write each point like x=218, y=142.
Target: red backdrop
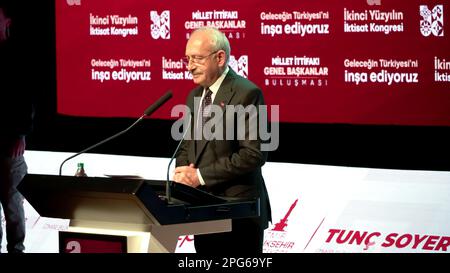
x=355, y=61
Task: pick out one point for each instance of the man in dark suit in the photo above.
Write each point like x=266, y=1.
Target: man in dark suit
x=224, y=166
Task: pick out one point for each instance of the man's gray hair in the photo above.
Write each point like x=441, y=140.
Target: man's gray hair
x=218, y=39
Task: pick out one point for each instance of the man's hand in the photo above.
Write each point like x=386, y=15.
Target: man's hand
x=187, y=175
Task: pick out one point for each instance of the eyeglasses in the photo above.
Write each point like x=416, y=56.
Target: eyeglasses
x=197, y=59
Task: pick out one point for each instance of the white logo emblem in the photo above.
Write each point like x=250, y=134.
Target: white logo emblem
x=433, y=21
x=160, y=28
x=240, y=66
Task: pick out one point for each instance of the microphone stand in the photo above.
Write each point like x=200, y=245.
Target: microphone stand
x=168, y=182
x=100, y=143
x=152, y=108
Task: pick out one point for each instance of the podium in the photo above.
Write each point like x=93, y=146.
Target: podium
x=134, y=211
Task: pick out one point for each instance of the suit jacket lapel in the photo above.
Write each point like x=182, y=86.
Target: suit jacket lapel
x=222, y=98
x=226, y=91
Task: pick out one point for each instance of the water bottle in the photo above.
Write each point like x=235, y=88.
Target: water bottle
x=80, y=170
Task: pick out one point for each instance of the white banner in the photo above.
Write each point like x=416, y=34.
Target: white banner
x=315, y=208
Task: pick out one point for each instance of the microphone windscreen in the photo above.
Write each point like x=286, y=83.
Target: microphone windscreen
x=152, y=108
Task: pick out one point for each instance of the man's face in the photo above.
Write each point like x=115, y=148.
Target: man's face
x=4, y=25
x=205, y=64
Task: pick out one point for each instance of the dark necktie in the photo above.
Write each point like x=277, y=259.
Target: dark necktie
x=206, y=109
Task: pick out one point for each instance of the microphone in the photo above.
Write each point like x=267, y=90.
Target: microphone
x=168, y=182
x=152, y=108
